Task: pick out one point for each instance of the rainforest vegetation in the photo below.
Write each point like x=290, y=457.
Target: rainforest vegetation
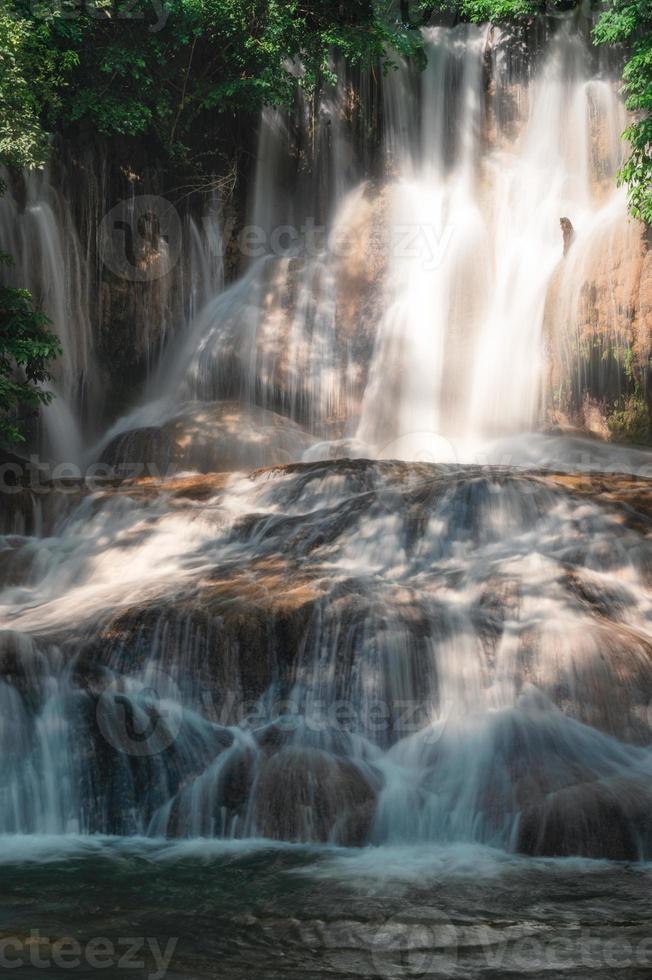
x=169, y=70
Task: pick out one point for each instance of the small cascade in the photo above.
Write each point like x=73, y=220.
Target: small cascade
x=436, y=236
x=348, y=652
x=293, y=335
x=39, y=234
x=558, y=174
x=462, y=341
x=55, y=261
x=206, y=264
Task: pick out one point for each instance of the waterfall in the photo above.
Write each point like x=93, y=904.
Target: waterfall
x=344, y=652
x=461, y=344
x=361, y=607
x=437, y=237
x=432, y=309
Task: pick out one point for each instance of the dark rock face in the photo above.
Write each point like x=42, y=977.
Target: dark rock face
x=308, y=795
x=139, y=447
x=598, y=324
x=598, y=820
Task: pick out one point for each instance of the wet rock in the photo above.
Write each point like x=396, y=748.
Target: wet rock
x=273, y=738
x=23, y=666
x=337, y=609
x=236, y=782
x=597, y=672
x=139, y=447
x=16, y=560
x=213, y=802
x=568, y=233
x=207, y=437
x=353, y=828
x=304, y=795
x=598, y=325
x=597, y=820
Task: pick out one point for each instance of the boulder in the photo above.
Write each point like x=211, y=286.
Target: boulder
x=207, y=437
x=307, y=795
x=611, y=819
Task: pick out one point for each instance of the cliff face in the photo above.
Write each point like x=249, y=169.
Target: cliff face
x=599, y=335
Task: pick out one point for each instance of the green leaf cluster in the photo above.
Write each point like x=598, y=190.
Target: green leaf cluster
x=168, y=69
x=27, y=348
x=629, y=23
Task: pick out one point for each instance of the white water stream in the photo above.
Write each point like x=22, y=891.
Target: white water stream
x=486, y=633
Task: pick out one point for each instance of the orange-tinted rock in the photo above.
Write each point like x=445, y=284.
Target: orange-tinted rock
x=598, y=325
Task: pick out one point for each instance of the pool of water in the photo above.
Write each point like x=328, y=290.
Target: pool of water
x=88, y=907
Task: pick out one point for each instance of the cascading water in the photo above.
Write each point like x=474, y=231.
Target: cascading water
x=48, y=260
x=372, y=652
x=52, y=259
x=356, y=650
x=462, y=338
x=425, y=316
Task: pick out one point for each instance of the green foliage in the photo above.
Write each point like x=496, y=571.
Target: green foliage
x=169, y=69
x=498, y=10
x=29, y=76
x=22, y=141
x=26, y=349
x=629, y=22
x=184, y=72
x=629, y=421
